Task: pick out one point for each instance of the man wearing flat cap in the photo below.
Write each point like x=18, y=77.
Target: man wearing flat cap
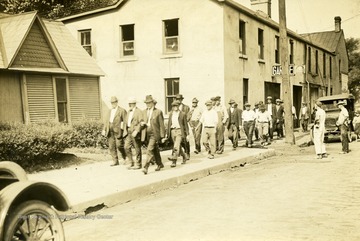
x=195, y=124
x=177, y=130
x=233, y=123
x=248, y=124
x=133, y=134
x=270, y=107
x=153, y=132
x=220, y=130
x=343, y=124
x=113, y=129
x=186, y=109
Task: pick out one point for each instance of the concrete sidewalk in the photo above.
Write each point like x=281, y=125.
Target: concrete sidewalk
x=90, y=185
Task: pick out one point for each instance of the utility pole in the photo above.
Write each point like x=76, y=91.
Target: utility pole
x=284, y=55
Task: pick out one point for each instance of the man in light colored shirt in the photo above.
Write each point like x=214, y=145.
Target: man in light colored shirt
x=319, y=131
x=270, y=107
x=263, y=121
x=304, y=116
x=220, y=130
x=194, y=116
x=209, y=120
x=248, y=119
x=343, y=124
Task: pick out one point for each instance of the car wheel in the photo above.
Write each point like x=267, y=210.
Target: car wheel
x=34, y=220
x=12, y=169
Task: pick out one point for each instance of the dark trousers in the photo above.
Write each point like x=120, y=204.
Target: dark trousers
x=220, y=129
x=344, y=138
x=304, y=124
x=272, y=128
x=152, y=150
x=197, y=134
x=133, y=142
x=115, y=145
x=249, y=130
x=233, y=135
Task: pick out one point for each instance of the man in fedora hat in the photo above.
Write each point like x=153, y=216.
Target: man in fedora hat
x=186, y=109
x=177, y=130
x=220, y=130
x=132, y=134
x=248, y=124
x=209, y=119
x=270, y=107
x=304, y=116
x=278, y=118
x=195, y=124
x=153, y=132
x=233, y=123
x=113, y=129
x=343, y=124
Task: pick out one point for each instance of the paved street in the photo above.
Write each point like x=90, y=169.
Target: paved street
x=291, y=196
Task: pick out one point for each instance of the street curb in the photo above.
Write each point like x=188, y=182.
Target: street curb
x=125, y=196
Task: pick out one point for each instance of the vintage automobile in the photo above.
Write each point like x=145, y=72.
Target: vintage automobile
x=332, y=131
x=29, y=209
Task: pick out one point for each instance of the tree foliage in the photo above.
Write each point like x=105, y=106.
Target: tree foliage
x=352, y=46
x=53, y=8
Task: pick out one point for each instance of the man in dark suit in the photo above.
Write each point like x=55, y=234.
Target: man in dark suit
x=279, y=118
x=233, y=123
x=270, y=107
x=153, y=131
x=177, y=130
x=132, y=134
x=113, y=129
x=186, y=109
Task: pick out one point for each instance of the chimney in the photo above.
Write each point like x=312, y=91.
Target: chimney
x=337, y=24
x=262, y=5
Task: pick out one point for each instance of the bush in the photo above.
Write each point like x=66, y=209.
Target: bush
x=87, y=133
x=31, y=144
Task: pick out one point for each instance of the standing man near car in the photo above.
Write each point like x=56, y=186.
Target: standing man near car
x=186, y=109
x=132, y=135
x=113, y=129
x=220, y=130
x=153, y=132
x=194, y=116
x=343, y=124
x=319, y=131
x=177, y=130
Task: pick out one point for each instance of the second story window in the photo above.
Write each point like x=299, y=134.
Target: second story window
x=242, y=37
x=85, y=40
x=127, y=40
x=330, y=67
x=316, y=62
x=171, y=36
x=291, y=42
x=324, y=64
x=261, y=43
x=277, y=50
x=309, y=60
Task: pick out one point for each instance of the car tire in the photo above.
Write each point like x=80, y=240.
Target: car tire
x=14, y=170
x=34, y=218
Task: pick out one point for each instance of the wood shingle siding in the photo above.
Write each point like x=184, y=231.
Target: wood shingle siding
x=35, y=51
x=40, y=94
x=84, y=98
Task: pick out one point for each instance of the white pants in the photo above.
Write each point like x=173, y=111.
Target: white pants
x=319, y=141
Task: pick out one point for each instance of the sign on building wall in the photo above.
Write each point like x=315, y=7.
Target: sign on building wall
x=277, y=70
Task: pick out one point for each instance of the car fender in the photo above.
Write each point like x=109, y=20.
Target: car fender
x=30, y=190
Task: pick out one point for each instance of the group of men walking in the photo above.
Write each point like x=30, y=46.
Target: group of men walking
x=128, y=130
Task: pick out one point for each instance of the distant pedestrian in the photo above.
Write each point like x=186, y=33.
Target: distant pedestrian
x=356, y=124
x=319, y=131
x=263, y=120
x=177, y=130
x=240, y=118
x=304, y=116
x=209, y=120
x=343, y=124
x=233, y=123
x=186, y=109
x=153, y=132
x=270, y=107
x=113, y=130
x=194, y=116
x=279, y=118
x=132, y=135
x=220, y=130
x=248, y=124
x=256, y=131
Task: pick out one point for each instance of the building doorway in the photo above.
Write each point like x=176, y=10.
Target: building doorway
x=297, y=94
x=273, y=90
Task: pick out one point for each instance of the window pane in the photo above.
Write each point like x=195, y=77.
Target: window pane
x=61, y=90
x=85, y=37
x=127, y=32
x=176, y=87
x=172, y=44
x=128, y=48
x=88, y=49
x=171, y=28
x=62, y=111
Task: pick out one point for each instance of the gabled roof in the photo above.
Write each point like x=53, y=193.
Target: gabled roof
x=329, y=39
x=71, y=57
